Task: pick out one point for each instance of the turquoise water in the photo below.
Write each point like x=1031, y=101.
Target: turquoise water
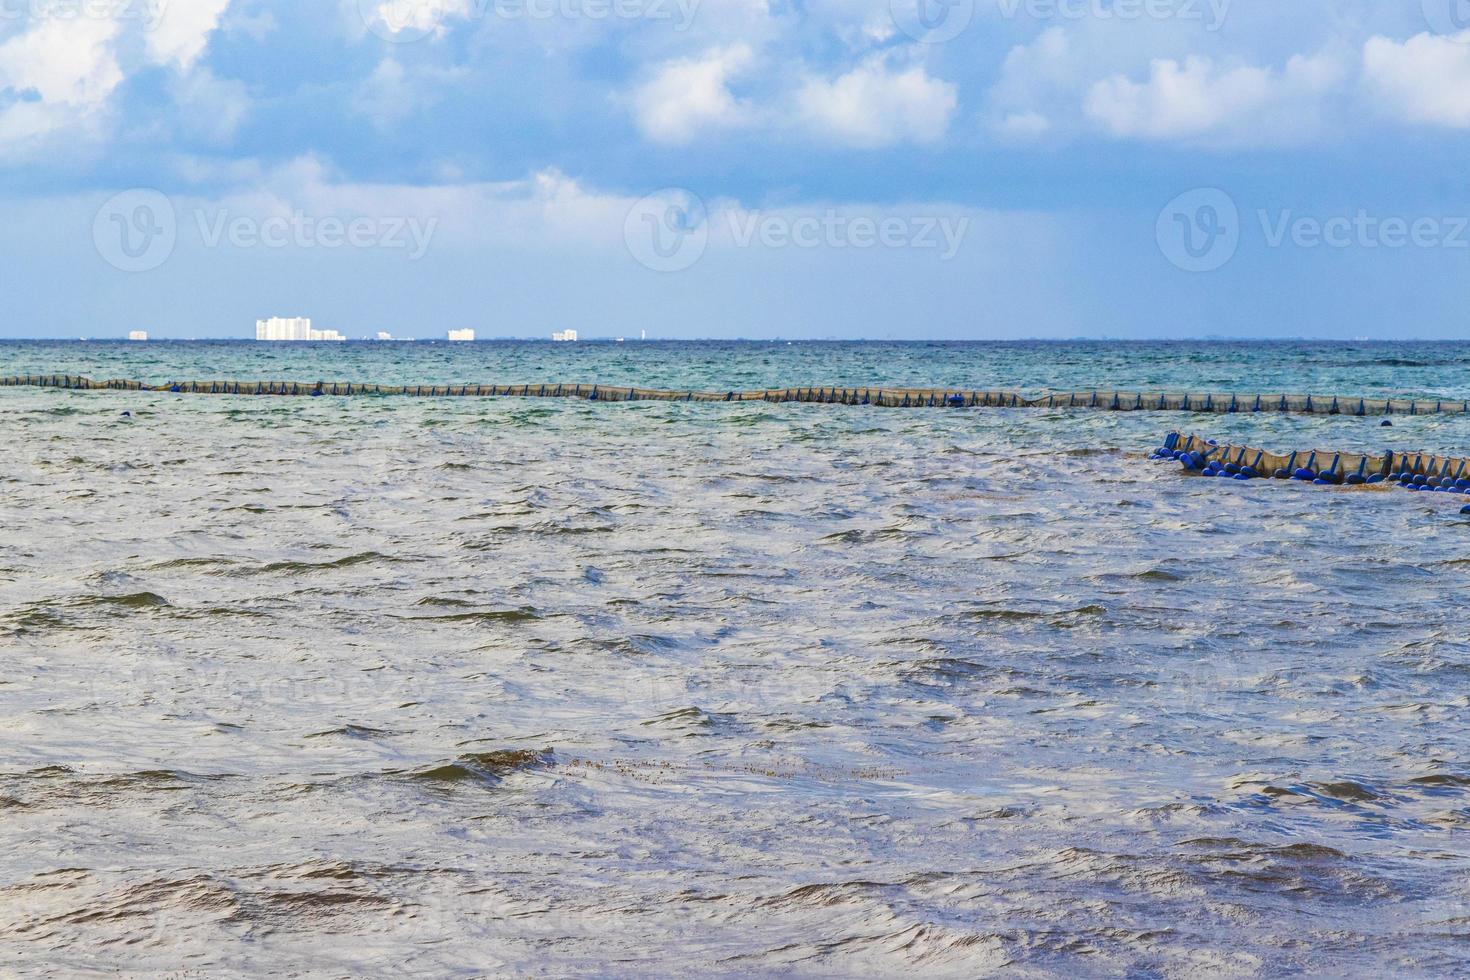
x=1411, y=369
x=463, y=686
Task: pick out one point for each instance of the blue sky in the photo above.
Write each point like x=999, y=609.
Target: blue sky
x=723, y=168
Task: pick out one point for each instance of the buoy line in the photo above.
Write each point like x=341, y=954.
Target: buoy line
x=1419, y=472
x=1098, y=399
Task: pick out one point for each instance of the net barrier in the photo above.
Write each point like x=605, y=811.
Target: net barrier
x=1423, y=472
x=1117, y=401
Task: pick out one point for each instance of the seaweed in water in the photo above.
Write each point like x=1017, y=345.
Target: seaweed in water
x=486, y=767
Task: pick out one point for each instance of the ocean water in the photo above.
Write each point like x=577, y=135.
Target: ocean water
x=430, y=687
x=1369, y=369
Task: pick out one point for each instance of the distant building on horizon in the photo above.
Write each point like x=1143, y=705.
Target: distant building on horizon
x=564, y=336
x=461, y=336
x=384, y=335
x=292, y=328
x=137, y=335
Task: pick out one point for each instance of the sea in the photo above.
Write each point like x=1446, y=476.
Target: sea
x=378, y=686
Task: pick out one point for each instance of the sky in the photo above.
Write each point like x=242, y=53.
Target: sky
x=957, y=169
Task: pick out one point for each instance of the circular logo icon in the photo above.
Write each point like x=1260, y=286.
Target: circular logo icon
x=402, y=21
x=1450, y=18
x=1199, y=230
x=136, y=231
x=932, y=21
x=667, y=231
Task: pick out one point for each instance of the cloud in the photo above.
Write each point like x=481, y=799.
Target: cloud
x=407, y=19
x=545, y=209
x=1153, y=80
x=210, y=108
x=1177, y=100
x=63, y=71
x=871, y=105
x=386, y=96
x=399, y=16
x=1425, y=79
x=182, y=33
x=1023, y=127
x=874, y=106
x=63, y=61
x=1197, y=98
x=1036, y=91
x=690, y=96
x=256, y=24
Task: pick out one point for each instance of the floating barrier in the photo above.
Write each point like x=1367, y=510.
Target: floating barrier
x=1115, y=401
x=1421, y=472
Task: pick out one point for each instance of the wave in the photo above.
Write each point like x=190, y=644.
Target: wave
x=484, y=767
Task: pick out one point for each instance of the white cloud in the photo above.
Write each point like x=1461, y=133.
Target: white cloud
x=1152, y=79
x=545, y=210
x=873, y=106
x=408, y=19
x=67, y=61
x=210, y=108
x=1196, y=99
x=687, y=97
x=1022, y=127
x=406, y=16
x=1036, y=90
x=386, y=96
x=1177, y=100
x=182, y=33
x=256, y=24
x=1425, y=79
x=64, y=70
x=549, y=210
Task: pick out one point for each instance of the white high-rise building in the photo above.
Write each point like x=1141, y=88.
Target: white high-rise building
x=283, y=328
x=292, y=328
x=462, y=336
x=137, y=335
x=564, y=336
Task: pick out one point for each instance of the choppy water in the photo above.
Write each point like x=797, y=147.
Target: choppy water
x=381, y=686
